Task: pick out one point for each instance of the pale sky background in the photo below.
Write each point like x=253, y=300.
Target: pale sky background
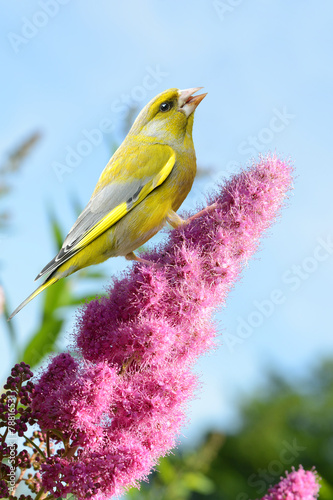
x=88, y=61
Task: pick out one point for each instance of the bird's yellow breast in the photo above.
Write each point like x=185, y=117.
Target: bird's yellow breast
x=143, y=221
x=149, y=216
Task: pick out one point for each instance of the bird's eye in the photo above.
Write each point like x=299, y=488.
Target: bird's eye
x=165, y=106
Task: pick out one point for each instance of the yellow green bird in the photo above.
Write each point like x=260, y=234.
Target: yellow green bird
x=140, y=189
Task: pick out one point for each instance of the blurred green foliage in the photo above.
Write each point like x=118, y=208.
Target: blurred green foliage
x=55, y=299
x=10, y=166
x=283, y=426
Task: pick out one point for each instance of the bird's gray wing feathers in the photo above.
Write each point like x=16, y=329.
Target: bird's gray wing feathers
x=111, y=203
x=104, y=202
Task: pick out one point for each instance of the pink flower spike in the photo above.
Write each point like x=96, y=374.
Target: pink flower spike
x=123, y=405
x=297, y=485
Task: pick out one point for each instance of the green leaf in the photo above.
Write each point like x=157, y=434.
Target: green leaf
x=196, y=481
x=57, y=233
x=74, y=301
x=57, y=295
x=76, y=204
x=10, y=327
x=166, y=470
x=43, y=342
x=87, y=274
x=326, y=490
x=45, y=339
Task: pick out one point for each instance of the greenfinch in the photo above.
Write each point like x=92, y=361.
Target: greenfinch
x=141, y=188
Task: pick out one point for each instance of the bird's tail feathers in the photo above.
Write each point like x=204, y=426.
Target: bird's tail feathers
x=49, y=281
x=58, y=260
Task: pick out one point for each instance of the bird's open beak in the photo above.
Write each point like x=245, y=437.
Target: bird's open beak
x=187, y=102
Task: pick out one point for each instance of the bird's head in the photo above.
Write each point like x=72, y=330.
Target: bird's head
x=169, y=116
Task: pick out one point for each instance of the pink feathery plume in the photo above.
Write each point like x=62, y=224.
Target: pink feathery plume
x=297, y=485
x=122, y=405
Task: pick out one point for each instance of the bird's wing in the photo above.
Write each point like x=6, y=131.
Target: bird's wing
x=124, y=183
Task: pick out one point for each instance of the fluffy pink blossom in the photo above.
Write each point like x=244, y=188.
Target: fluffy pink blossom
x=124, y=402
x=74, y=397
x=297, y=485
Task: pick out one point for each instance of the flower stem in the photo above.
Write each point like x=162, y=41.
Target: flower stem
x=35, y=446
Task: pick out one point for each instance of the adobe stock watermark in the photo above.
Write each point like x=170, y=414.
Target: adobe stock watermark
x=263, y=478
x=12, y=440
x=90, y=139
x=224, y=8
x=31, y=27
x=278, y=123
x=280, y=120
x=292, y=279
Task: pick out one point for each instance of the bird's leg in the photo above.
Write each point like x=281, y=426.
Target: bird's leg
x=175, y=221
x=132, y=256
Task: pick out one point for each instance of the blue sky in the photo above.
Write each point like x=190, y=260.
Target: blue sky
x=71, y=67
